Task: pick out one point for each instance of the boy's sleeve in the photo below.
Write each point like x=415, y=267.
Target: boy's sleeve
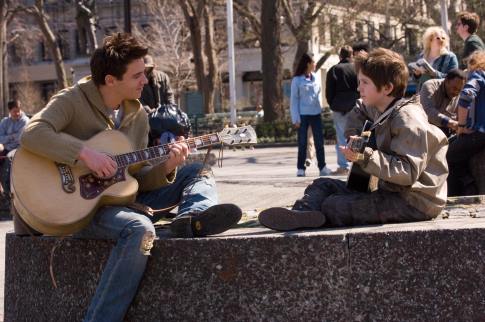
x=406, y=162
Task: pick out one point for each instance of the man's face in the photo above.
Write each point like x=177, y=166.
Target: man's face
x=131, y=84
x=15, y=113
x=454, y=86
x=369, y=93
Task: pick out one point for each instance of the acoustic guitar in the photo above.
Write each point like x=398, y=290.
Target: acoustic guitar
x=57, y=199
x=358, y=179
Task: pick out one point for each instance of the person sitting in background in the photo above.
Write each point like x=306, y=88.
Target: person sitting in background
x=11, y=127
x=439, y=98
x=470, y=139
x=467, y=24
x=341, y=93
x=435, y=55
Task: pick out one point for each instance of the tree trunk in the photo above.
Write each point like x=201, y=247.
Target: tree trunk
x=272, y=62
x=54, y=49
x=3, y=58
x=212, y=78
x=301, y=48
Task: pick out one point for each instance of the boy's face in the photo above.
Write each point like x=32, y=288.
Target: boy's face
x=131, y=84
x=369, y=93
x=15, y=113
x=461, y=29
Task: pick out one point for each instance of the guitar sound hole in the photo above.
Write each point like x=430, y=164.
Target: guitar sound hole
x=92, y=186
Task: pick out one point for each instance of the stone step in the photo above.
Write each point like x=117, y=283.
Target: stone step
x=417, y=271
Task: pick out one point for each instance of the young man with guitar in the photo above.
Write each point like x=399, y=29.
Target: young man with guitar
x=409, y=159
x=63, y=132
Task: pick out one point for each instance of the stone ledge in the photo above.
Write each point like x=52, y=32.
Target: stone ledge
x=417, y=271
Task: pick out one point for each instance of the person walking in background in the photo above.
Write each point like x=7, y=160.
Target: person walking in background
x=341, y=92
x=436, y=60
x=467, y=24
x=306, y=111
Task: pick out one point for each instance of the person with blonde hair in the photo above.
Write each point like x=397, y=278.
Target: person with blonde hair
x=470, y=139
x=436, y=60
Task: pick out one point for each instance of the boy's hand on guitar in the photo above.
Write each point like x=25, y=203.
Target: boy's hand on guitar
x=101, y=164
x=349, y=154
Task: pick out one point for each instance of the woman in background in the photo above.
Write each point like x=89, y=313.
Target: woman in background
x=435, y=54
x=306, y=111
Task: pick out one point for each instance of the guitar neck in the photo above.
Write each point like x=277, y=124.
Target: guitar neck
x=161, y=152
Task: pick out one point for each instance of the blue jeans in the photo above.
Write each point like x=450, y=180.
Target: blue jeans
x=134, y=234
x=192, y=192
x=316, y=123
x=339, y=121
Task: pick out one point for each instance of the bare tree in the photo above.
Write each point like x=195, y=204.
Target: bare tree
x=266, y=29
x=300, y=21
x=167, y=37
x=37, y=12
x=199, y=17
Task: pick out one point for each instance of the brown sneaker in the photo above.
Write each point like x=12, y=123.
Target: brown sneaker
x=340, y=172
x=285, y=219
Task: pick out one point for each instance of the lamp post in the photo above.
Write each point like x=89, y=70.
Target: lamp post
x=127, y=8
x=231, y=67
x=444, y=16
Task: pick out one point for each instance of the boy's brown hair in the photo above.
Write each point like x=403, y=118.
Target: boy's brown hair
x=118, y=50
x=471, y=19
x=383, y=67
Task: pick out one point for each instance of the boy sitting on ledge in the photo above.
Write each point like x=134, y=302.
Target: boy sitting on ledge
x=409, y=162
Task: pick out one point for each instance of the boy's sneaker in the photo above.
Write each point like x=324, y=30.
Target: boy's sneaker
x=325, y=171
x=214, y=220
x=285, y=219
x=300, y=173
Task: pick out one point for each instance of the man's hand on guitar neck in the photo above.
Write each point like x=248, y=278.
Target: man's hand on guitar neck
x=102, y=165
x=179, y=151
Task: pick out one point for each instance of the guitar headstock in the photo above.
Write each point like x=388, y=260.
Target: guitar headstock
x=238, y=135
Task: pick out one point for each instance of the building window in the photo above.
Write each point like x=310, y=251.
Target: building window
x=47, y=90
x=64, y=45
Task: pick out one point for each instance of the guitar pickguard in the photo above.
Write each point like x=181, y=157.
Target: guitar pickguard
x=92, y=186
x=67, y=178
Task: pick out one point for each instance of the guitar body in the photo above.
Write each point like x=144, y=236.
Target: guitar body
x=42, y=201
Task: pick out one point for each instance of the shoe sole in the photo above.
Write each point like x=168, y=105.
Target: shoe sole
x=215, y=220
x=283, y=219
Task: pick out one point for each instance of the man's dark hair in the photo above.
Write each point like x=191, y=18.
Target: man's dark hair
x=471, y=19
x=13, y=104
x=303, y=64
x=455, y=73
x=345, y=52
x=360, y=46
x=118, y=50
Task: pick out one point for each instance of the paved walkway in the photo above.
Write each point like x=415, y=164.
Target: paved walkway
x=252, y=178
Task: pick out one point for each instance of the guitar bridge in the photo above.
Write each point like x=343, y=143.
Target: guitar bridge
x=92, y=186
